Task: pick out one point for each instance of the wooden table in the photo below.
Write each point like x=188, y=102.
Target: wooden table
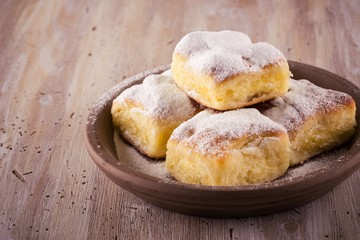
x=58, y=57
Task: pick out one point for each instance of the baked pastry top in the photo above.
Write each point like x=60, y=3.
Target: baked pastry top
x=315, y=118
x=236, y=147
x=146, y=114
x=225, y=70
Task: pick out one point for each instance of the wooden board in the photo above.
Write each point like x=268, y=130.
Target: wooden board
x=58, y=57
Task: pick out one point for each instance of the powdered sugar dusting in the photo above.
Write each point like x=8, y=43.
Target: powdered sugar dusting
x=160, y=98
x=320, y=163
x=167, y=73
x=211, y=132
x=303, y=100
x=226, y=53
x=195, y=42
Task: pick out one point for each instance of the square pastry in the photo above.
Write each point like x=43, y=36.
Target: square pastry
x=231, y=148
x=146, y=114
x=225, y=70
x=315, y=118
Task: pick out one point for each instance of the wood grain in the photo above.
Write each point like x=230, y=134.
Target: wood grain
x=58, y=57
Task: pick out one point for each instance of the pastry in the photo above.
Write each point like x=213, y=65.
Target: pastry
x=237, y=147
x=225, y=70
x=146, y=114
x=315, y=118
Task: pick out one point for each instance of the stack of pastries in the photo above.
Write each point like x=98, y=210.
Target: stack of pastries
x=228, y=113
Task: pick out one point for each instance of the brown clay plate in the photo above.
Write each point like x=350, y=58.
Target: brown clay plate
x=141, y=176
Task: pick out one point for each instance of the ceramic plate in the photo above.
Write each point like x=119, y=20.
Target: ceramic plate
x=148, y=179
